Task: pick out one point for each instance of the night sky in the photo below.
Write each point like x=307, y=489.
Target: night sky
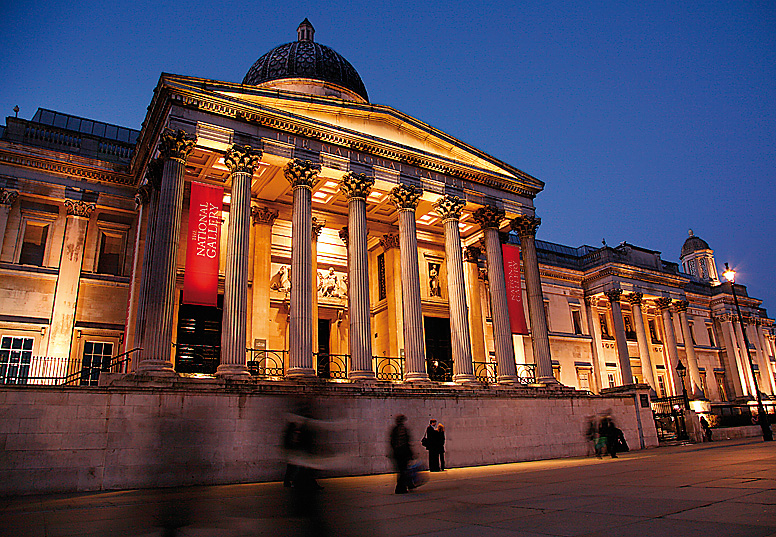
x=644, y=119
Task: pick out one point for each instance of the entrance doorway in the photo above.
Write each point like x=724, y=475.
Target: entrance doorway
x=199, y=338
x=439, y=350
x=324, y=362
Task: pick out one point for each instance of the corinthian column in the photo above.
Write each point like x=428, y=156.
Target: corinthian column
x=489, y=218
x=641, y=337
x=696, y=390
x=356, y=187
x=263, y=218
x=472, y=275
x=449, y=208
x=303, y=175
x=664, y=305
x=174, y=148
x=7, y=199
x=241, y=161
x=623, y=355
x=405, y=198
x=525, y=227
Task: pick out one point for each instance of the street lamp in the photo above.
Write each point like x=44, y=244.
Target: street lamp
x=730, y=275
x=682, y=371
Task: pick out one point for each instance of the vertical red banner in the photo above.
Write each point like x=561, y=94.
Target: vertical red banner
x=514, y=289
x=200, y=282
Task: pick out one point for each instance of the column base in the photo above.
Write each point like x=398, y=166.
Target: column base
x=507, y=379
x=465, y=378
x=547, y=380
x=416, y=377
x=156, y=368
x=300, y=372
x=233, y=371
x=361, y=376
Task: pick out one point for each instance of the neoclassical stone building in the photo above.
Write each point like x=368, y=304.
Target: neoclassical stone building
x=287, y=227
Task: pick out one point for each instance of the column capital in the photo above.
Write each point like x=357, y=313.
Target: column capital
x=591, y=301
x=489, y=216
x=302, y=173
x=681, y=305
x=449, y=207
x=614, y=295
x=356, y=185
x=663, y=303
x=8, y=197
x=79, y=208
x=263, y=215
x=143, y=195
x=389, y=240
x=176, y=145
x=406, y=197
x=154, y=173
x=344, y=236
x=242, y=159
x=635, y=298
x=318, y=226
x=471, y=254
x=525, y=225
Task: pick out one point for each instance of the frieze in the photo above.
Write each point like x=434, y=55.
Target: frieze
x=406, y=197
x=69, y=169
x=356, y=185
x=79, y=208
x=242, y=159
x=389, y=240
x=449, y=207
x=8, y=197
x=302, y=173
x=263, y=215
x=525, y=226
x=489, y=216
x=176, y=145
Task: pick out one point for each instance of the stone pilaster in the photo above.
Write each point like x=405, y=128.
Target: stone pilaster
x=391, y=247
x=406, y=198
x=664, y=305
x=317, y=227
x=525, y=227
x=68, y=279
x=174, y=149
x=449, y=208
x=7, y=199
x=635, y=300
x=735, y=374
x=303, y=175
x=241, y=161
x=356, y=187
x=262, y=218
x=743, y=356
x=490, y=218
x=696, y=386
x=591, y=315
x=623, y=356
x=471, y=256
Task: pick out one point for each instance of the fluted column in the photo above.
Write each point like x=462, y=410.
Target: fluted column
x=356, y=187
x=489, y=218
x=525, y=227
x=664, y=305
x=241, y=161
x=7, y=199
x=263, y=218
x=623, y=355
x=406, y=198
x=696, y=386
x=449, y=208
x=303, y=175
x=641, y=337
x=733, y=365
x=174, y=148
x=391, y=247
x=471, y=255
x=743, y=356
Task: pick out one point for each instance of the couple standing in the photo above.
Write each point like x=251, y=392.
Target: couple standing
x=434, y=442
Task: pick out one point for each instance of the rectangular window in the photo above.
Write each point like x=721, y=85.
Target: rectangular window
x=710, y=330
x=15, y=359
x=556, y=372
x=604, y=326
x=583, y=376
x=33, y=244
x=381, y=287
x=720, y=378
x=704, y=386
x=629, y=332
x=111, y=258
x=610, y=376
x=576, y=319
x=692, y=332
x=661, y=386
x=96, y=358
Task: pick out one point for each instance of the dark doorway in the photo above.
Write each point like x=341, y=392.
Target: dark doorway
x=199, y=338
x=439, y=352
x=324, y=362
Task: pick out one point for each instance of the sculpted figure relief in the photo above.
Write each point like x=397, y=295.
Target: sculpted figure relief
x=433, y=280
x=281, y=281
x=328, y=283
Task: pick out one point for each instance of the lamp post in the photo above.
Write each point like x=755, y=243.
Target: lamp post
x=730, y=275
x=682, y=371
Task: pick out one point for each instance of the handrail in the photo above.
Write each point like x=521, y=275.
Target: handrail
x=115, y=361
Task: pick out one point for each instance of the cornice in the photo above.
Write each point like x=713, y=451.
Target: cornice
x=549, y=271
x=55, y=166
x=635, y=273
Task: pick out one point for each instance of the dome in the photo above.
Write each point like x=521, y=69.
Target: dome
x=693, y=244
x=305, y=59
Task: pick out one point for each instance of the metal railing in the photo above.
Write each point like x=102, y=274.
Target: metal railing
x=439, y=371
x=267, y=364
x=389, y=368
x=332, y=366
x=486, y=372
x=526, y=373
x=52, y=371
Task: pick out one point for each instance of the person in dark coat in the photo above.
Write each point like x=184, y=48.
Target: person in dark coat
x=706, y=429
x=441, y=446
x=401, y=453
x=606, y=430
x=431, y=443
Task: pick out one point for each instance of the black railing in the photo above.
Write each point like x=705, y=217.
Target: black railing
x=333, y=366
x=526, y=373
x=389, y=368
x=90, y=375
x=267, y=363
x=486, y=372
x=439, y=371
x=52, y=371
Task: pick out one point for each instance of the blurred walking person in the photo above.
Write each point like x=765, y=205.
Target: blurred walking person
x=401, y=452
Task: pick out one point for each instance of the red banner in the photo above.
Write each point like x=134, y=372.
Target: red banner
x=514, y=289
x=200, y=282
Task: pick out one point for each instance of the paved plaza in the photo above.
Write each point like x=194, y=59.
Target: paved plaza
x=706, y=490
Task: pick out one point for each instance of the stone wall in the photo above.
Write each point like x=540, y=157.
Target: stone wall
x=135, y=433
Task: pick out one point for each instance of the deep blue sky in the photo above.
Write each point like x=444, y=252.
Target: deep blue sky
x=644, y=119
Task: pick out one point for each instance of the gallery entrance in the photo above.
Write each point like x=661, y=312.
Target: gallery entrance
x=439, y=351
x=199, y=338
x=324, y=363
